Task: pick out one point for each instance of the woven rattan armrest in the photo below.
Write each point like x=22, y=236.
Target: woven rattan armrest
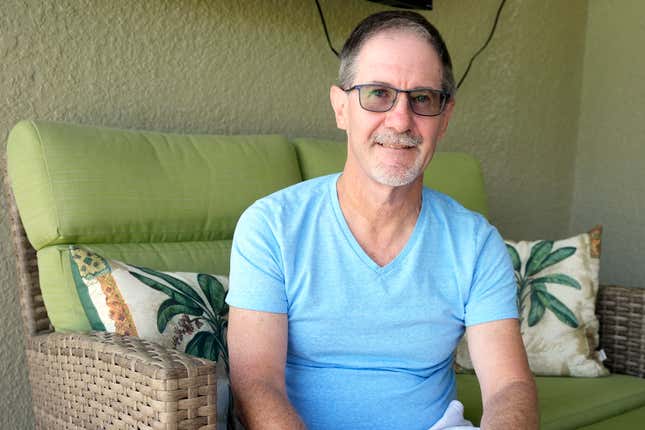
x=621, y=312
x=101, y=380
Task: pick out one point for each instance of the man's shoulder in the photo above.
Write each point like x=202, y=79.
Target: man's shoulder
x=291, y=201
x=449, y=206
x=457, y=221
x=298, y=193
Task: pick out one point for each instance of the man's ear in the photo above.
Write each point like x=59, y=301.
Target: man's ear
x=338, y=99
x=445, y=117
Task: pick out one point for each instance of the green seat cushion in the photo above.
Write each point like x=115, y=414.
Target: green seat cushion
x=566, y=402
x=457, y=174
x=80, y=184
x=633, y=419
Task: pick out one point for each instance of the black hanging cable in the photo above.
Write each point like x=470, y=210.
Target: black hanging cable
x=490, y=36
x=322, y=19
x=472, y=59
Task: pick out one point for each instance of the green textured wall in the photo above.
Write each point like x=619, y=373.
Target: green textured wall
x=194, y=66
x=610, y=160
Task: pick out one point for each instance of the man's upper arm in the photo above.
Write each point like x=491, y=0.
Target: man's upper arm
x=498, y=355
x=258, y=323
x=257, y=345
x=257, y=327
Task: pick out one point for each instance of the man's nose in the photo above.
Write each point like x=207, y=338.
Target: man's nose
x=399, y=118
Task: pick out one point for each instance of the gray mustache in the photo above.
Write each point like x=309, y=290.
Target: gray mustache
x=400, y=139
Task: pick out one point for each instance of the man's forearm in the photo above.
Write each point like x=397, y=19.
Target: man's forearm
x=514, y=407
x=262, y=406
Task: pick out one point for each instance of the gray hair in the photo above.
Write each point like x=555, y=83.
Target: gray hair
x=398, y=20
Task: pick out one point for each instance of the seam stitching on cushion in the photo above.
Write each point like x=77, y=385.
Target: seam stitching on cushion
x=298, y=159
x=484, y=201
x=69, y=241
x=137, y=243
x=49, y=178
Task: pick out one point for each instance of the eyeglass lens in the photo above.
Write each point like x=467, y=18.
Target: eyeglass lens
x=379, y=98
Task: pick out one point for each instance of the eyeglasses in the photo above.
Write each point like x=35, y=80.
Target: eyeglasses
x=381, y=98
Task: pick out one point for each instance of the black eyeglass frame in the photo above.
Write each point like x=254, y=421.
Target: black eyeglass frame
x=445, y=97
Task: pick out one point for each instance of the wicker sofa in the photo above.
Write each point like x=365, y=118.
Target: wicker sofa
x=83, y=379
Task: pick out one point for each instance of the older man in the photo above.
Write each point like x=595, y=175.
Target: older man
x=349, y=292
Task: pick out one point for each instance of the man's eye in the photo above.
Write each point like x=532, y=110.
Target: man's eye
x=421, y=99
x=378, y=92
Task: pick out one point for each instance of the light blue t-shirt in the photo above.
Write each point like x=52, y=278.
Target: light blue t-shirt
x=369, y=347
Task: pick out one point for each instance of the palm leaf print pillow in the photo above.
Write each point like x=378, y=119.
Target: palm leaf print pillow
x=180, y=310
x=557, y=285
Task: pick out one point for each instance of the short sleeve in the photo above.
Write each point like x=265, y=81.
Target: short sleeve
x=256, y=280
x=493, y=291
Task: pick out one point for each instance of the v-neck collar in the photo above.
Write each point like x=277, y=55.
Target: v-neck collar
x=353, y=243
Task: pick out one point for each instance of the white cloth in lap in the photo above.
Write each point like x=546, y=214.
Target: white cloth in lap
x=453, y=419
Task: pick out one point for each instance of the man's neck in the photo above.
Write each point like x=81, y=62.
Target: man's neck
x=377, y=203
x=380, y=217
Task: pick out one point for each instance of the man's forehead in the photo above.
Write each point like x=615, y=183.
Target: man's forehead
x=399, y=53
x=388, y=39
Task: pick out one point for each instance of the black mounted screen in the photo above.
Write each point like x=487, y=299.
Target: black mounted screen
x=407, y=4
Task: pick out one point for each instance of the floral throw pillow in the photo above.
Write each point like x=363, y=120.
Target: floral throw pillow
x=556, y=296
x=185, y=311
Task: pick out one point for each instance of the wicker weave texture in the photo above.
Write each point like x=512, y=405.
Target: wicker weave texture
x=621, y=312
x=101, y=380
x=34, y=314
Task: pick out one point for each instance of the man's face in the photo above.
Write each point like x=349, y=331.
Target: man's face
x=401, y=60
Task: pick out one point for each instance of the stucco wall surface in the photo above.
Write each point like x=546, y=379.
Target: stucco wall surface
x=517, y=111
x=264, y=67
x=610, y=160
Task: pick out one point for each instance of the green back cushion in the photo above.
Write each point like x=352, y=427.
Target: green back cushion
x=163, y=200
x=76, y=184
x=456, y=174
